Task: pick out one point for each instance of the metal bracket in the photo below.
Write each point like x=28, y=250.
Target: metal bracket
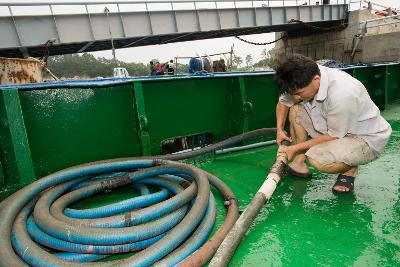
x=247, y=106
x=17, y=155
x=142, y=119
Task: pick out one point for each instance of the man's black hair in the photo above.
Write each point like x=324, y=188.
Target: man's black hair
x=294, y=72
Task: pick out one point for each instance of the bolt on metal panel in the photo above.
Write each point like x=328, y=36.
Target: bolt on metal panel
x=316, y=14
x=228, y=18
x=263, y=17
x=187, y=21
x=29, y=25
x=278, y=16
x=208, y=20
x=74, y=28
x=7, y=29
x=305, y=14
x=101, y=29
x=246, y=18
x=163, y=23
x=137, y=24
x=327, y=13
x=291, y=13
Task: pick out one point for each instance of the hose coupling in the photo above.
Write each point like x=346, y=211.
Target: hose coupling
x=109, y=184
x=227, y=201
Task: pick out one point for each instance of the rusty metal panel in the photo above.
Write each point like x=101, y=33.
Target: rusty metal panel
x=17, y=71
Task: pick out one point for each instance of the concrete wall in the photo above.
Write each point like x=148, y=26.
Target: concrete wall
x=379, y=43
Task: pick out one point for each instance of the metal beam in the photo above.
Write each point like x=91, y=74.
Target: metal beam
x=85, y=47
x=142, y=119
x=14, y=139
x=140, y=25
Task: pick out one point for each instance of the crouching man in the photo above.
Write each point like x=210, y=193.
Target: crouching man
x=335, y=110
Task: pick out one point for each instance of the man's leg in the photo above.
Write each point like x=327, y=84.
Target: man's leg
x=299, y=135
x=334, y=168
x=341, y=156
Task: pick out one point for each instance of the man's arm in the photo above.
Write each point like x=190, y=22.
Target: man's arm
x=292, y=151
x=301, y=147
x=281, y=115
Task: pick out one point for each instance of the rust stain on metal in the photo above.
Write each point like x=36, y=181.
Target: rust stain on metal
x=18, y=71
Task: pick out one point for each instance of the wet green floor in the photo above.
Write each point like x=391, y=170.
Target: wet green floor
x=304, y=224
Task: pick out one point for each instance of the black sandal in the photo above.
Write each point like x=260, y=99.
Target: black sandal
x=290, y=172
x=346, y=181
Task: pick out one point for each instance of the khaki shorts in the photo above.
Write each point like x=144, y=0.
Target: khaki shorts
x=352, y=150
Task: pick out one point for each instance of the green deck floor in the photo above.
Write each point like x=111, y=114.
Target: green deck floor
x=304, y=224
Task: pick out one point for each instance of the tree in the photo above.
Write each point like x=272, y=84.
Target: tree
x=264, y=53
x=237, y=61
x=87, y=65
x=266, y=61
x=249, y=60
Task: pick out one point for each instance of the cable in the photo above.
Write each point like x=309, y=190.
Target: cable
x=341, y=26
x=253, y=43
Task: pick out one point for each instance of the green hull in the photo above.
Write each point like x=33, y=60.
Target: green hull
x=48, y=127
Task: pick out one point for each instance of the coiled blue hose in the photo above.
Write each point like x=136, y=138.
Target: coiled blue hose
x=36, y=219
x=135, y=230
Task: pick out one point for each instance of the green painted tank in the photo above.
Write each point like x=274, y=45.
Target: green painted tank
x=48, y=127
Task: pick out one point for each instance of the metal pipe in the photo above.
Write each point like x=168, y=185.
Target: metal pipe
x=236, y=234
x=371, y=20
x=107, y=12
x=375, y=4
x=220, y=145
x=228, y=150
x=51, y=74
x=383, y=24
x=241, y=148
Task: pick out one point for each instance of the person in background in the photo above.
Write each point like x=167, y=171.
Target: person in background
x=170, y=67
x=152, y=69
x=335, y=110
x=159, y=68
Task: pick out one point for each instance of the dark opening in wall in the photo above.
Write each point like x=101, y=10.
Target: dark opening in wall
x=186, y=143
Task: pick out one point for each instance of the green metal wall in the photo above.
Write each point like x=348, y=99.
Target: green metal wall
x=47, y=129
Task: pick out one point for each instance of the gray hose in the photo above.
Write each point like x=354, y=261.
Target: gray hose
x=236, y=234
x=222, y=144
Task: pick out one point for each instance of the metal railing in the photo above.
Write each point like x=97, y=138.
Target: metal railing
x=10, y=8
x=367, y=24
x=371, y=5
x=283, y=2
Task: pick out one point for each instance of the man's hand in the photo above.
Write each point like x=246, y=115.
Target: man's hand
x=291, y=151
x=281, y=135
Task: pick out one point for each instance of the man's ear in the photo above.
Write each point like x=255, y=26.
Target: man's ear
x=317, y=77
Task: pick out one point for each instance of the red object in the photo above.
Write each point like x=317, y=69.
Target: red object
x=385, y=12
x=160, y=68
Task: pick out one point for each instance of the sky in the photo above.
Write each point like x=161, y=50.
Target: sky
x=166, y=52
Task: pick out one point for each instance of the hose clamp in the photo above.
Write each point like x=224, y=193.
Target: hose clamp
x=127, y=220
x=278, y=167
x=228, y=202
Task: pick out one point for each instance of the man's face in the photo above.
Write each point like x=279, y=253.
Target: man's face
x=308, y=92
